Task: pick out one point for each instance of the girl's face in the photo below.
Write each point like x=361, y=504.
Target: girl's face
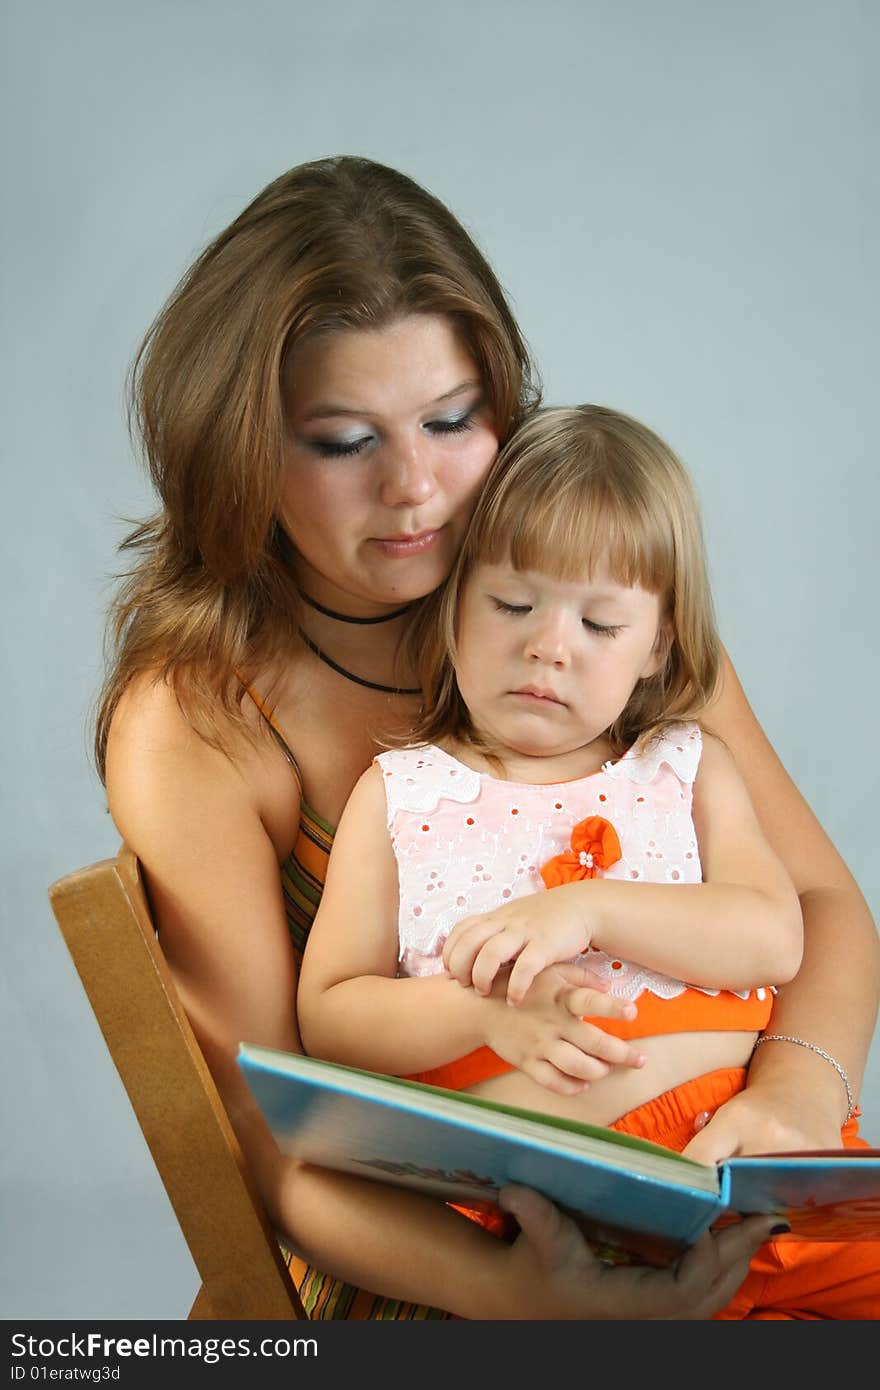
x=389, y=440
x=544, y=666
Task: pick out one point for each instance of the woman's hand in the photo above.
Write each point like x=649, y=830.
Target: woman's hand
x=764, y=1118
x=546, y=1036
x=560, y=1278
x=538, y=930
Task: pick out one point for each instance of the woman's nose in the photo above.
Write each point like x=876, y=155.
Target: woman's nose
x=408, y=477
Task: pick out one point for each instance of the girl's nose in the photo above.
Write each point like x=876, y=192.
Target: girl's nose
x=408, y=475
x=550, y=640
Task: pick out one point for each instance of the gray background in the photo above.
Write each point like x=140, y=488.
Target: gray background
x=680, y=200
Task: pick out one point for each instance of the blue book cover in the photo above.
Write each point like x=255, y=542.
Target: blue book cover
x=828, y=1194
x=465, y=1149
x=629, y=1195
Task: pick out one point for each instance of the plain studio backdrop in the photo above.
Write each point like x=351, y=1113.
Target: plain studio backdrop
x=681, y=202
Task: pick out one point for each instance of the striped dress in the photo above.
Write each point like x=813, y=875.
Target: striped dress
x=302, y=879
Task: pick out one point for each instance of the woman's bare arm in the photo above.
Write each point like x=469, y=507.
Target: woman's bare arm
x=794, y=1098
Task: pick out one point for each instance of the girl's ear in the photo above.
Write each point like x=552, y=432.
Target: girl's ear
x=659, y=652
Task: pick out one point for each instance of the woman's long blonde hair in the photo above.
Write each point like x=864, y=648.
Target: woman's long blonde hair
x=339, y=243
x=575, y=489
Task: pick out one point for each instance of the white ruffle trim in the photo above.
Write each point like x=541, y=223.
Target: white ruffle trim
x=440, y=777
x=678, y=745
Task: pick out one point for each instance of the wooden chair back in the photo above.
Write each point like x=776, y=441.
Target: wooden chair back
x=105, y=919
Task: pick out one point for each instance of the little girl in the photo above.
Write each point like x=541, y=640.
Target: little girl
x=564, y=666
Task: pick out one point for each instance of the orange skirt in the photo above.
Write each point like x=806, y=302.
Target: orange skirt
x=789, y=1279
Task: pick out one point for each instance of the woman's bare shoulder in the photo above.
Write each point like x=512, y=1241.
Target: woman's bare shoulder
x=193, y=815
x=150, y=737
x=149, y=714
x=164, y=777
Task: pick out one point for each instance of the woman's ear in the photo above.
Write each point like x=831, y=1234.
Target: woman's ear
x=659, y=652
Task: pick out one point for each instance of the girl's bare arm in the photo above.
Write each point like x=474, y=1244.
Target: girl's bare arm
x=349, y=980
x=737, y=929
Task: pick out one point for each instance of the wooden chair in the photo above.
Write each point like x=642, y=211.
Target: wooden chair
x=105, y=919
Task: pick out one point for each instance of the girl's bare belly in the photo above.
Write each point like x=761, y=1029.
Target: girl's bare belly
x=672, y=1059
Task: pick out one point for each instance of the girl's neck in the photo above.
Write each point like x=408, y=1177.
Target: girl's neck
x=514, y=765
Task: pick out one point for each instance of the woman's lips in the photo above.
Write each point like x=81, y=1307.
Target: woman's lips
x=399, y=547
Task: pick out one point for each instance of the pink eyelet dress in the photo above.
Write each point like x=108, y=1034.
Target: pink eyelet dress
x=466, y=842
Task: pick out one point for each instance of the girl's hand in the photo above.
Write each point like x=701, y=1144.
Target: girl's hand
x=553, y=1274
x=764, y=1118
x=535, y=931
x=547, y=1038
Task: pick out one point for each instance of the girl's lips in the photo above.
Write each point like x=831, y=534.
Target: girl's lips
x=399, y=547
x=544, y=697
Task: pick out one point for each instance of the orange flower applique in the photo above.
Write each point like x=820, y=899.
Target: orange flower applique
x=594, y=846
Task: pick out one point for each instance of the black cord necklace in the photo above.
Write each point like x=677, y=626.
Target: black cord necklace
x=347, y=618
x=350, y=675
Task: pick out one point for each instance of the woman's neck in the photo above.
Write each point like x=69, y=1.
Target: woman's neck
x=366, y=649
x=362, y=619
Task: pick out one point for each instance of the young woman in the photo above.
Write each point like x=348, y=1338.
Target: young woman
x=320, y=402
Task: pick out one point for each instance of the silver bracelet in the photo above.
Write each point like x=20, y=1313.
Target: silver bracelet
x=820, y=1052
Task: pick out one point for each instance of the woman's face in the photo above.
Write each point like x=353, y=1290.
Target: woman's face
x=389, y=439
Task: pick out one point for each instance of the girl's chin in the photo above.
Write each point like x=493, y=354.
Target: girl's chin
x=529, y=748
x=528, y=745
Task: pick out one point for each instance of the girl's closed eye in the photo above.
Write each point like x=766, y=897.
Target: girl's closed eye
x=515, y=609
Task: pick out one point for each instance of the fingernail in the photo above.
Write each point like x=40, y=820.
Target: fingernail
x=702, y=1119
x=781, y=1228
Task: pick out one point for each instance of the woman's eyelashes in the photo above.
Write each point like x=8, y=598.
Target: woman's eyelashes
x=339, y=448
x=453, y=424
x=347, y=448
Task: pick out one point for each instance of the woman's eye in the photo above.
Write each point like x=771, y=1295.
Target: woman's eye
x=515, y=608
x=339, y=448
x=347, y=448
x=455, y=424
x=602, y=629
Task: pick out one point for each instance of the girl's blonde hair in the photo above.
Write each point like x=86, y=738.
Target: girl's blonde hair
x=340, y=243
x=574, y=490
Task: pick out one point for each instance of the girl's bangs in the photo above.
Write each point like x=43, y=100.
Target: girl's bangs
x=579, y=529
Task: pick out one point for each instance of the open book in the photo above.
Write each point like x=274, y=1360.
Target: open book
x=631, y=1197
